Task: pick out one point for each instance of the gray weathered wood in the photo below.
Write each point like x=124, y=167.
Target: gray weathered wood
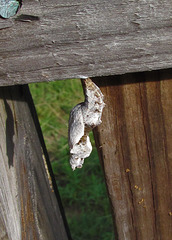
x=135, y=145
x=66, y=39
x=28, y=203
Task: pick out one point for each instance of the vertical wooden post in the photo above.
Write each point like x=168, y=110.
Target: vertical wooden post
x=135, y=145
x=28, y=205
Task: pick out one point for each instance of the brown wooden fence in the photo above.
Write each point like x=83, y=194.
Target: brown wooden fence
x=126, y=47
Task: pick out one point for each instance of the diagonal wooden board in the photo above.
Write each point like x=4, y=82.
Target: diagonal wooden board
x=30, y=207
x=66, y=39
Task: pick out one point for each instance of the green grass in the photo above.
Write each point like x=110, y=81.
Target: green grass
x=82, y=191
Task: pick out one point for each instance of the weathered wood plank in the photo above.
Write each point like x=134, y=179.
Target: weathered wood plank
x=66, y=39
x=28, y=203
x=135, y=145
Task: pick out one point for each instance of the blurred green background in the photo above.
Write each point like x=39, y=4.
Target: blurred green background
x=83, y=191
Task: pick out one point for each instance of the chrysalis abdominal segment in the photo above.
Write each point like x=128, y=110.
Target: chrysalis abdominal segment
x=83, y=118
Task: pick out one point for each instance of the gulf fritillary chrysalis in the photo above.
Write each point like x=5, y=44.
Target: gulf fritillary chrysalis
x=83, y=118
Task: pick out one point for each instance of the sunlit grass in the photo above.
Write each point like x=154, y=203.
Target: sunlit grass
x=83, y=191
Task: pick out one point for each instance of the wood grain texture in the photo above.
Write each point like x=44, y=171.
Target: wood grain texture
x=135, y=145
x=28, y=205
x=58, y=39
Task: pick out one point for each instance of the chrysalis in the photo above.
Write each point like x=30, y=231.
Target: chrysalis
x=83, y=118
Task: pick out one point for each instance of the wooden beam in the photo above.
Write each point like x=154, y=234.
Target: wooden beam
x=134, y=142
x=49, y=39
x=30, y=207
